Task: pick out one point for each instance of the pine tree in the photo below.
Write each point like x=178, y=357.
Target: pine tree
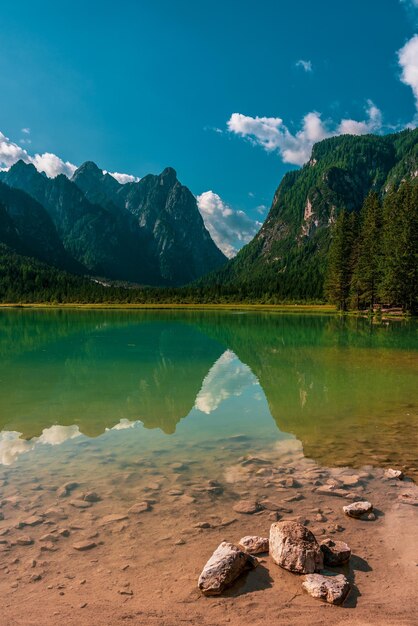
x=367, y=255
x=340, y=260
x=399, y=284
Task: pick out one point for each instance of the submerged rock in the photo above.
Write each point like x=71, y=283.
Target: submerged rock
x=140, y=507
x=335, y=552
x=358, y=509
x=331, y=589
x=294, y=547
x=253, y=544
x=409, y=498
x=247, y=507
x=81, y=546
x=224, y=566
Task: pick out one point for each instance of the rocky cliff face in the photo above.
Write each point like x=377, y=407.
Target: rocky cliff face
x=166, y=213
x=288, y=255
x=149, y=232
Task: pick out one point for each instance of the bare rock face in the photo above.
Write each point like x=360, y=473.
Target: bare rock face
x=294, y=547
x=253, y=544
x=331, y=589
x=335, y=552
x=224, y=566
x=409, y=498
x=358, y=509
x=393, y=473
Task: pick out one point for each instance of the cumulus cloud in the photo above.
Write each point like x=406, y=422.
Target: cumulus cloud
x=51, y=164
x=408, y=61
x=305, y=65
x=47, y=162
x=227, y=377
x=230, y=229
x=274, y=136
x=124, y=178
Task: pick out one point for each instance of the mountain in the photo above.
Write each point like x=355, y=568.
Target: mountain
x=26, y=227
x=166, y=212
x=149, y=232
x=288, y=257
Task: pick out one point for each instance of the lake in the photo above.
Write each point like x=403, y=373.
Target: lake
x=132, y=442
x=125, y=382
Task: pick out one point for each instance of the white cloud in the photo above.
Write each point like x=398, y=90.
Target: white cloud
x=47, y=162
x=51, y=164
x=230, y=229
x=227, y=377
x=408, y=61
x=124, y=178
x=306, y=65
x=273, y=135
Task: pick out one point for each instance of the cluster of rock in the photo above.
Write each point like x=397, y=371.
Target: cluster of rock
x=293, y=547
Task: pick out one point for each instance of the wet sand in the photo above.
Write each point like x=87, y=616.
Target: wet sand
x=142, y=568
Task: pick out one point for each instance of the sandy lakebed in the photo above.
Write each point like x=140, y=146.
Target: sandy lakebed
x=65, y=560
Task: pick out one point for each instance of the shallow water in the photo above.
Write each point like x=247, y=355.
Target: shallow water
x=97, y=389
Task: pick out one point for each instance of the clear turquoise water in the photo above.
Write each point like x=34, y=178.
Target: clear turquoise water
x=118, y=385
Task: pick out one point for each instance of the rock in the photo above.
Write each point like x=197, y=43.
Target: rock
x=255, y=460
x=178, y=467
x=335, y=552
x=350, y=481
x=24, y=540
x=48, y=546
x=64, y=532
x=294, y=547
x=91, y=496
x=81, y=546
x=202, y=525
x=48, y=537
x=320, y=518
x=114, y=517
x=358, y=509
x=247, y=507
x=66, y=489
x=224, y=566
x=33, y=520
x=330, y=490
x=331, y=589
x=35, y=577
x=274, y=506
x=179, y=542
x=175, y=492
x=295, y=498
x=409, y=498
x=393, y=473
x=140, y=507
x=80, y=504
x=253, y=544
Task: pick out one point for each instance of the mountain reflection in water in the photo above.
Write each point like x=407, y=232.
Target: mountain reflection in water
x=345, y=388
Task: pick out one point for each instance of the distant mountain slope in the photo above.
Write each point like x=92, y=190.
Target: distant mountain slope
x=150, y=232
x=166, y=213
x=288, y=255
x=27, y=228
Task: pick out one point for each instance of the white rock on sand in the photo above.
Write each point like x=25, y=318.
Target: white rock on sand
x=294, y=547
x=393, y=473
x=253, y=544
x=331, y=589
x=358, y=509
x=224, y=566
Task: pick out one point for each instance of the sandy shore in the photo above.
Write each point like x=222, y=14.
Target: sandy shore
x=142, y=567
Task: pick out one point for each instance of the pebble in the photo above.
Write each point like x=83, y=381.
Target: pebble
x=140, y=507
x=393, y=473
x=81, y=546
x=114, y=517
x=91, y=496
x=358, y=509
x=247, y=507
x=331, y=589
x=253, y=544
x=24, y=540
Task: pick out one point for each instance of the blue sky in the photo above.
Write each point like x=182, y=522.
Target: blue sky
x=217, y=90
